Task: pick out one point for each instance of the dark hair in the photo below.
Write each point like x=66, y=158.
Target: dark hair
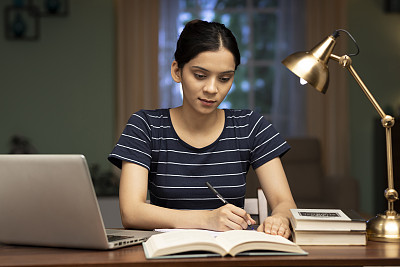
x=201, y=36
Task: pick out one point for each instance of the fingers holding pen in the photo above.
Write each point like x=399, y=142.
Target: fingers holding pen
x=230, y=217
x=250, y=221
x=242, y=217
x=234, y=217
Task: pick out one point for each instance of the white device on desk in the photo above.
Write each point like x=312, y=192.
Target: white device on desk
x=49, y=200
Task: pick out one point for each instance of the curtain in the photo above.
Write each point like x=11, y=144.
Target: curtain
x=170, y=91
x=288, y=109
x=327, y=115
x=137, y=58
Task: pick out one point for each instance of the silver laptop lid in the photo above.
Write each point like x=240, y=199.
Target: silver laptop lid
x=49, y=200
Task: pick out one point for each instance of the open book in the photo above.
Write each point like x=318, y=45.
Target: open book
x=199, y=243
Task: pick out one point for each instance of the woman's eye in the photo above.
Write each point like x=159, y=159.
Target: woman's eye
x=199, y=76
x=225, y=79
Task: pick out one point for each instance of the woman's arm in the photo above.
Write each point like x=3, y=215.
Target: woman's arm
x=136, y=213
x=275, y=186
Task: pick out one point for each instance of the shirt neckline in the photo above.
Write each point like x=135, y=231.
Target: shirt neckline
x=214, y=143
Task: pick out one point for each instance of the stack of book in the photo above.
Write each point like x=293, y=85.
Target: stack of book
x=327, y=227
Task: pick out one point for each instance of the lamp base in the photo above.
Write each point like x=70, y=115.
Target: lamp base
x=385, y=228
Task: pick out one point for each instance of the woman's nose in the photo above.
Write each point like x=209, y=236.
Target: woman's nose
x=211, y=86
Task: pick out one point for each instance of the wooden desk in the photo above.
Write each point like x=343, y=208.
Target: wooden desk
x=375, y=253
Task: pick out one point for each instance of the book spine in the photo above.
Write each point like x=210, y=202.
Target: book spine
x=353, y=215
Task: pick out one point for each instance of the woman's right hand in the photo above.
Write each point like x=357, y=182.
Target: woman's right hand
x=228, y=217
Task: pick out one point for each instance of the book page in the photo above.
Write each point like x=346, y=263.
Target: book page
x=182, y=241
x=165, y=230
x=231, y=239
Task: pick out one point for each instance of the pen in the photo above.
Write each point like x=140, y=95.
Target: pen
x=216, y=193
x=220, y=197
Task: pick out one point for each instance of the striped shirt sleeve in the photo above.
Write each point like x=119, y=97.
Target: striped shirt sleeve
x=134, y=144
x=266, y=141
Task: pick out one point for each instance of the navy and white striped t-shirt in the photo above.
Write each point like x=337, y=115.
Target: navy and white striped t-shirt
x=178, y=171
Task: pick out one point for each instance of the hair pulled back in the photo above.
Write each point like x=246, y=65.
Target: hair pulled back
x=201, y=36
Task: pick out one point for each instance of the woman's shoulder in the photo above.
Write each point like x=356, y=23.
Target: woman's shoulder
x=147, y=117
x=238, y=112
x=153, y=112
x=242, y=114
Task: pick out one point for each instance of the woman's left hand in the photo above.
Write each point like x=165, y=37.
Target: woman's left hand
x=275, y=225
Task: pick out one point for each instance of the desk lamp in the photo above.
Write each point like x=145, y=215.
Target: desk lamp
x=312, y=68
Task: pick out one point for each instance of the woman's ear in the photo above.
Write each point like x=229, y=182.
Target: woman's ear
x=176, y=72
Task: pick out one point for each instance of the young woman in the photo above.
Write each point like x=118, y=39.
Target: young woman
x=172, y=153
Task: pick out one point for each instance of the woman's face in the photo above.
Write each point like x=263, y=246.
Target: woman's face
x=207, y=79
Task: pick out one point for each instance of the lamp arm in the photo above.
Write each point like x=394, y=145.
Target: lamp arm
x=387, y=122
x=345, y=62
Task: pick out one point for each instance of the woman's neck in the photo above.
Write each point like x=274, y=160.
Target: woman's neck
x=198, y=130
x=198, y=122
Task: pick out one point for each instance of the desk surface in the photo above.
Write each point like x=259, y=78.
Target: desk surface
x=375, y=253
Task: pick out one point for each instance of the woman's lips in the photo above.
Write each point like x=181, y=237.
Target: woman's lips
x=207, y=102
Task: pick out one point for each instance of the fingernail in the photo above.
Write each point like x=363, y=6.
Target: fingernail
x=248, y=222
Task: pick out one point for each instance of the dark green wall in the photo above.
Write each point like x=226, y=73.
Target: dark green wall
x=378, y=35
x=59, y=91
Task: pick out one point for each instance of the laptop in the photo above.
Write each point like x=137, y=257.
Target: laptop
x=49, y=200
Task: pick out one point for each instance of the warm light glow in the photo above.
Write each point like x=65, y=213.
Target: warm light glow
x=302, y=81
x=392, y=228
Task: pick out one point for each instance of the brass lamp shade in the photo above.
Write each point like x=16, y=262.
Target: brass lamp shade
x=307, y=67
x=312, y=66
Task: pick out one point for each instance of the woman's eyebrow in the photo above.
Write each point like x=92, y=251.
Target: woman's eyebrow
x=203, y=69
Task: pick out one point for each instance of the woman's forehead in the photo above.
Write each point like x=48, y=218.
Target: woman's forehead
x=219, y=61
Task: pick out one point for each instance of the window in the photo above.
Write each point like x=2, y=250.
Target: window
x=261, y=29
